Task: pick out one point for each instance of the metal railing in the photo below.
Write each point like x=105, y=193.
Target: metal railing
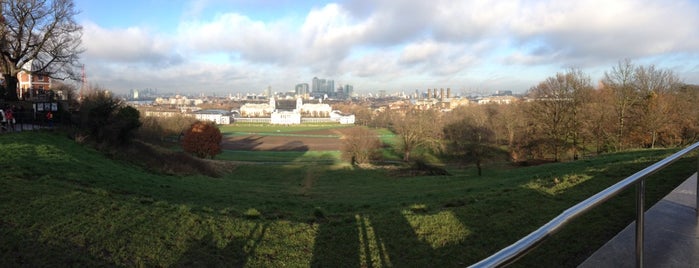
x=515, y=251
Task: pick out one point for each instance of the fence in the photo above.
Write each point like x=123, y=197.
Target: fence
x=520, y=248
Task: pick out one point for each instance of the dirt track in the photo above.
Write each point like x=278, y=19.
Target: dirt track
x=304, y=141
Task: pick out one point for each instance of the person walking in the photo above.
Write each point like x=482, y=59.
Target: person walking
x=9, y=116
x=49, y=118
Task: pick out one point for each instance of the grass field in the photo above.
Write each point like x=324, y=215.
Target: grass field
x=63, y=204
x=318, y=143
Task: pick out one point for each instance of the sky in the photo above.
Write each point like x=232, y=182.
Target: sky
x=475, y=46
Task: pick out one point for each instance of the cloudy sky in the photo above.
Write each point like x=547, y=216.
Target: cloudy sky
x=228, y=46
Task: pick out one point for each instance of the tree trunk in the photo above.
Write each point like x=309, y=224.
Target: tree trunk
x=406, y=156
x=11, y=83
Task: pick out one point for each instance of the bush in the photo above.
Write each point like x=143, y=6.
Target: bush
x=202, y=139
x=157, y=129
x=107, y=119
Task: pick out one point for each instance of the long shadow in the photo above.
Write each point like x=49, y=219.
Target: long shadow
x=376, y=240
x=399, y=245
x=249, y=143
x=26, y=250
x=204, y=253
x=336, y=244
x=292, y=146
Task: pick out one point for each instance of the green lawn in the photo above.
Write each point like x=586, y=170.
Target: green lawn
x=62, y=204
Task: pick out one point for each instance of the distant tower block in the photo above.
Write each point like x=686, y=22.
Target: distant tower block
x=448, y=93
x=441, y=93
x=429, y=93
x=434, y=93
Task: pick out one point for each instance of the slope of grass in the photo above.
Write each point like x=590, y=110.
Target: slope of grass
x=62, y=204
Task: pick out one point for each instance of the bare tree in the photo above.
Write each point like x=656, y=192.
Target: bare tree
x=417, y=129
x=360, y=145
x=556, y=109
x=621, y=81
x=659, y=87
x=38, y=36
x=471, y=142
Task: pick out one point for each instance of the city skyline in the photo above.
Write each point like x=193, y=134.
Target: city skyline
x=246, y=46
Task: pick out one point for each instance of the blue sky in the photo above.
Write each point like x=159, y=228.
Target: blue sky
x=216, y=46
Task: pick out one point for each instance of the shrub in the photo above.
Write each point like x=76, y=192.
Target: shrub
x=202, y=139
x=107, y=119
x=156, y=129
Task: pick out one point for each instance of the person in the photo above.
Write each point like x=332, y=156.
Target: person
x=9, y=116
x=49, y=118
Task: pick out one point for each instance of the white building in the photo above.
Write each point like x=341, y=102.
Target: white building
x=258, y=109
x=286, y=118
x=344, y=119
x=220, y=117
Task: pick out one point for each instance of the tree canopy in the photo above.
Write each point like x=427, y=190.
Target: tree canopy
x=38, y=36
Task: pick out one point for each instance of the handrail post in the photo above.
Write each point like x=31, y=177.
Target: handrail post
x=640, y=197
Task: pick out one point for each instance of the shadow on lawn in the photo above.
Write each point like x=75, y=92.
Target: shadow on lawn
x=374, y=240
x=205, y=253
x=248, y=143
x=23, y=250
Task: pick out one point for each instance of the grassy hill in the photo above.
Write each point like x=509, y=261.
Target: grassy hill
x=64, y=204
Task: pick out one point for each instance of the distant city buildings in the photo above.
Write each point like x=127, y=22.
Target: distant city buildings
x=302, y=90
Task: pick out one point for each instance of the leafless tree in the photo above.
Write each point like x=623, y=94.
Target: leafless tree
x=38, y=36
x=417, y=129
x=556, y=108
x=360, y=145
x=659, y=87
x=620, y=81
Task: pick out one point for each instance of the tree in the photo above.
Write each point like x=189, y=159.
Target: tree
x=96, y=111
x=659, y=88
x=108, y=119
x=122, y=125
x=469, y=142
x=417, y=129
x=556, y=108
x=360, y=145
x=620, y=80
x=202, y=139
x=38, y=36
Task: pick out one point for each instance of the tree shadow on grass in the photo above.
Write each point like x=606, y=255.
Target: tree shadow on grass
x=24, y=250
x=205, y=252
x=376, y=240
x=292, y=146
x=249, y=143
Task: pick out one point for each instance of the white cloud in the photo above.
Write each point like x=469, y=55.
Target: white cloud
x=399, y=42
x=131, y=45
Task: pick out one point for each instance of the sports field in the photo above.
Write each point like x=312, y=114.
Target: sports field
x=258, y=137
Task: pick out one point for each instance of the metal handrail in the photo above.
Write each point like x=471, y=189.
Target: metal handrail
x=515, y=251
